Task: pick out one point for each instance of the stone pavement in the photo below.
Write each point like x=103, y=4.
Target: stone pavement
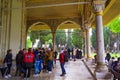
x=75, y=71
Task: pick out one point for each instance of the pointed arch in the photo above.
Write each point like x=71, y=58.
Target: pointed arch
x=39, y=26
x=68, y=24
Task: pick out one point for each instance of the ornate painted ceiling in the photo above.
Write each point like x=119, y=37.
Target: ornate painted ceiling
x=52, y=12
x=62, y=9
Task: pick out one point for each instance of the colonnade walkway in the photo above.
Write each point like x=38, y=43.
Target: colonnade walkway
x=75, y=71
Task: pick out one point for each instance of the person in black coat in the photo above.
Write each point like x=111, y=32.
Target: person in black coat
x=19, y=62
x=107, y=57
x=8, y=61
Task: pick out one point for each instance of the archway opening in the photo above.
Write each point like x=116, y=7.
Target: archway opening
x=69, y=35
x=39, y=36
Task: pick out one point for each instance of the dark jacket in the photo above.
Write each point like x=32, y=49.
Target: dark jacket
x=8, y=58
x=19, y=58
x=107, y=57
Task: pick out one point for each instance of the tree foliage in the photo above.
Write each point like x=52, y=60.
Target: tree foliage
x=77, y=38
x=29, y=43
x=69, y=39
x=93, y=38
x=33, y=36
x=43, y=36
x=107, y=36
x=114, y=26
x=60, y=37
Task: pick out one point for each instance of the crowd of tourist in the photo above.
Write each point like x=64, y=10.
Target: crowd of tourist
x=112, y=63
x=40, y=59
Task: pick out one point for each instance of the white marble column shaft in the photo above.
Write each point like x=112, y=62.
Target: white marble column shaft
x=100, y=40
x=88, y=46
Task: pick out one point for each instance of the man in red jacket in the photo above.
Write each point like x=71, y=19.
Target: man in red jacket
x=28, y=60
x=62, y=62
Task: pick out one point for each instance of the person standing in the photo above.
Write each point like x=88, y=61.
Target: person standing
x=74, y=53
x=37, y=64
x=28, y=60
x=62, y=62
x=68, y=51
x=55, y=56
x=19, y=62
x=108, y=56
x=50, y=60
x=8, y=61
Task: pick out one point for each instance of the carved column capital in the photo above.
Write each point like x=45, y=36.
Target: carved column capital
x=98, y=6
x=87, y=26
x=84, y=34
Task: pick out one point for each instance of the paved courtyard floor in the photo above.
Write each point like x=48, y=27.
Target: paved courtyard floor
x=75, y=71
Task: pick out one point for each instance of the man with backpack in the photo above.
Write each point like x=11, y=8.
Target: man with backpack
x=62, y=62
x=28, y=60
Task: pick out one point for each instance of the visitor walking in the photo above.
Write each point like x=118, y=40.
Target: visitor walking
x=8, y=61
x=62, y=62
x=28, y=60
x=19, y=62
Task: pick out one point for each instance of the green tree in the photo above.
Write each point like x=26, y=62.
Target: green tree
x=108, y=38
x=33, y=36
x=60, y=37
x=29, y=43
x=69, y=39
x=42, y=35
x=45, y=36
x=77, y=38
x=114, y=25
x=93, y=38
x=106, y=32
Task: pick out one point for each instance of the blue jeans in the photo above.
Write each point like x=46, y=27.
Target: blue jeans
x=69, y=55
x=50, y=65
x=36, y=67
x=62, y=67
x=74, y=57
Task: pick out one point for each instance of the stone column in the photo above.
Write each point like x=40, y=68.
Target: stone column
x=16, y=26
x=88, y=46
x=54, y=40
x=4, y=27
x=23, y=27
x=53, y=23
x=98, y=9
x=0, y=24
x=101, y=70
x=85, y=45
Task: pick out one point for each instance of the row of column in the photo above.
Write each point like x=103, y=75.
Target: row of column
x=98, y=10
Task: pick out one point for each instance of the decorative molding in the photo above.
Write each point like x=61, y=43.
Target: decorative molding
x=5, y=7
x=98, y=6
